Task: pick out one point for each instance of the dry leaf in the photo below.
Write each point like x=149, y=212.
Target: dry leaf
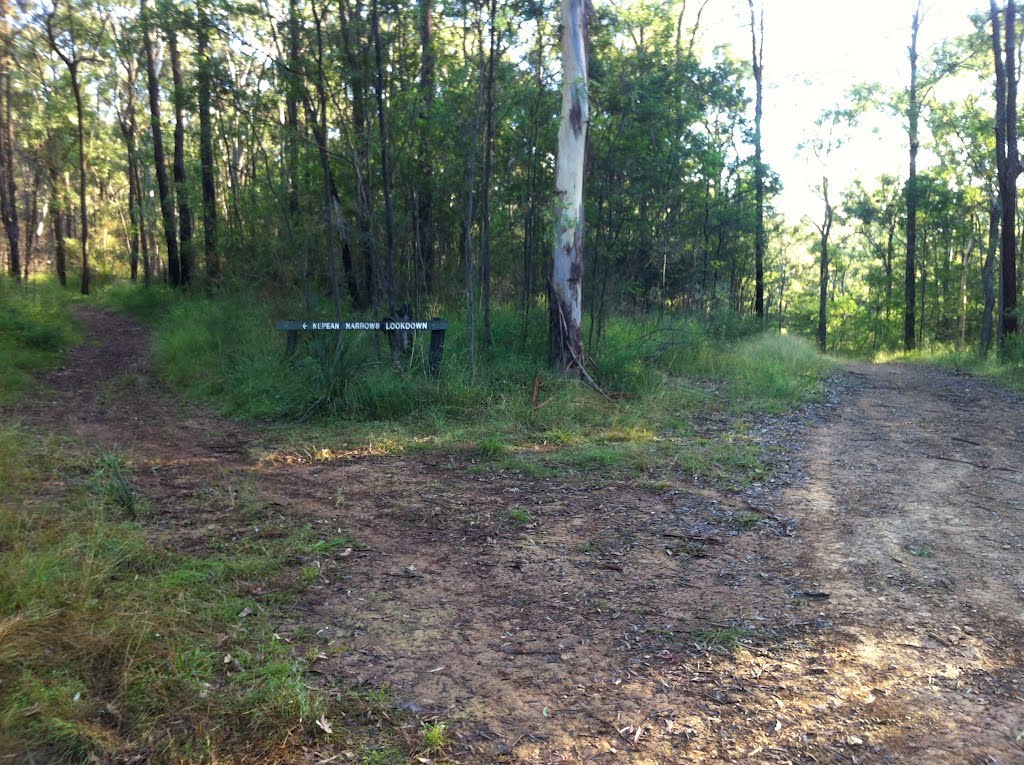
x=323, y=725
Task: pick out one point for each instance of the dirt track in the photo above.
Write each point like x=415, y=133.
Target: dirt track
x=880, y=597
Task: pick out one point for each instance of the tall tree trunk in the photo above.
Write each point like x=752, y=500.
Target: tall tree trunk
x=825, y=229
x=204, y=86
x=358, y=66
x=566, y=290
x=425, y=193
x=531, y=224
x=1008, y=249
x=83, y=210
x=965, y=262
x=185, y=224
x=913, y=114
x=129, y=129
x=291, y=110
x=8, y=187
x=757, y=58
x=32, y=224
x=159, y=157
x=988, y=278
x=385, y=164
x=57, y=223
x=485, y=181
x=325, y=165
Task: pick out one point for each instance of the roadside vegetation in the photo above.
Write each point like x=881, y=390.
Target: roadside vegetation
x=111, y=646
x=1006, y=367
x=675, y=394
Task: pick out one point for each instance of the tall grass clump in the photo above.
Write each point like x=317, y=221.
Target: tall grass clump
x=35, y=327
x=112, y=649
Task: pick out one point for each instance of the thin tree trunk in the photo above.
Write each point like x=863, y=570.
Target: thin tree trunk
x=425, y=193
x=965, y=262
x=185, y=225
x=757, y=58
x=566, y=288
x=988, y=279
x=485, y=182
x=159, y=158
x=913, y=114
x=824, y=229
x=8, y=187
x=1008, y=282
x=204, y=86
x=328, y=177
x=385, y=162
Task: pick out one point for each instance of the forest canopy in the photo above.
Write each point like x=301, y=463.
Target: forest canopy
x=364, y=154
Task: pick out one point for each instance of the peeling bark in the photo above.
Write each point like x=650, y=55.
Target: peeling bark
x=566, y=287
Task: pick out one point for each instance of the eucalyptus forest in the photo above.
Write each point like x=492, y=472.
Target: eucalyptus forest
x=455, y=381
x=383, y=154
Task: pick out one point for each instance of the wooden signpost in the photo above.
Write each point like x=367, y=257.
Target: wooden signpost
x=437, y=328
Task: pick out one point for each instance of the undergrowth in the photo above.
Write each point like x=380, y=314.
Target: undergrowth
x=111, y=647
x=665, y=382
x=114, y=649
x=1005, y=366
x=35, y=326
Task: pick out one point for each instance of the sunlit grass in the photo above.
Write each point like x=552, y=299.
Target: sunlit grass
x=658, y=379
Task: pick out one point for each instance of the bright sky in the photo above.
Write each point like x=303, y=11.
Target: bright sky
x=814, y=51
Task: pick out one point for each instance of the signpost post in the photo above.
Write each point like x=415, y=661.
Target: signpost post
x=437, y=328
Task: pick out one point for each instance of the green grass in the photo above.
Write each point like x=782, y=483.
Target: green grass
x=35, y=327
x=727, y=639
x=111, y=647
x=663, y=379
x=1005, y=368
x=107, y=642
x=520, y=516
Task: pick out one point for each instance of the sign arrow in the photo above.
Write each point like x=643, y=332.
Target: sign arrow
x=304, y=325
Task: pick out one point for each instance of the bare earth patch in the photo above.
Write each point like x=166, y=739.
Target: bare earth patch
x=870, y=611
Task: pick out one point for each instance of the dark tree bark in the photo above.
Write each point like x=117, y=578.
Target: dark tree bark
x=185, y=224
x=8, y=187
x=913, y=115
x=485, y=181
x=425, y=192
x=159, y=157
x=757, y=59
x=204, y=87
x=385, y=163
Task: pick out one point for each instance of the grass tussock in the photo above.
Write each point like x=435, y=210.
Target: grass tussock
x=112, y=648
x=35, y=326
x=663, y=379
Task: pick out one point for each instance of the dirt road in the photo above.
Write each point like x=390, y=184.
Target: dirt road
x=866, y=606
